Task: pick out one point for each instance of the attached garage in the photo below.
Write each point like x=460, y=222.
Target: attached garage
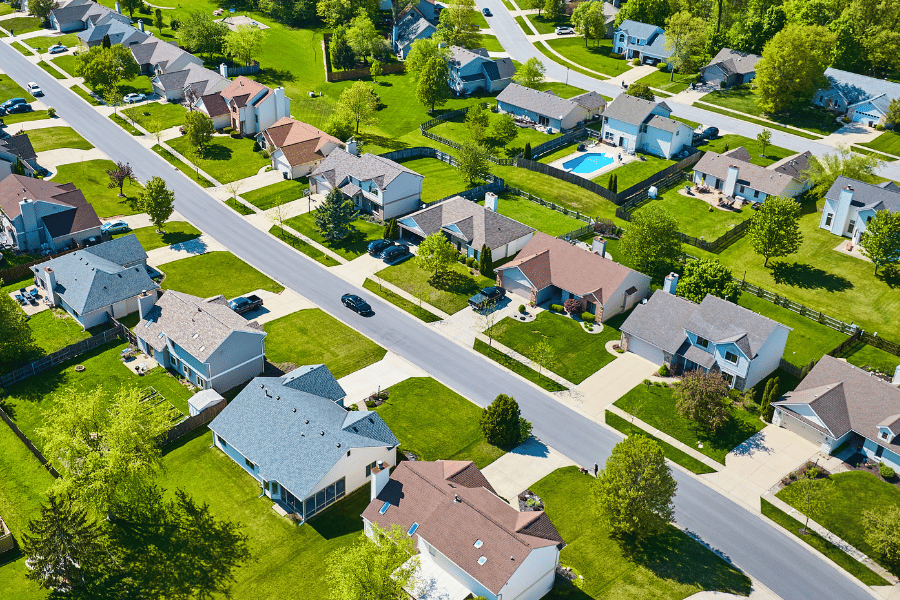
x=805, y=430
x=513, y=281
x=644, y=349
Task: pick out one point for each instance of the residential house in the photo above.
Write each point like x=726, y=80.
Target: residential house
x=474, y=70
x=252, y=107
x=862, y=99
x=414, y=23
x=552, y=270
x=306, y=451
x=470, y=541
x=173, y=83
x=76, y=14
x=548, y=109
x=838, y=403
x=297, y=148
x=202, y=339
x=119, y=31
x=851, y=204
x=43, y=215
x=713, y=336
x=98, y=282
x=15, y=148
x=730, y=68
x=155, y=57
x=640, y=40
x=735, y=176
x=638, y=125
x=377, y=185
x=469, y=226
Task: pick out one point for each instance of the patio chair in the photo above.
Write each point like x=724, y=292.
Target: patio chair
x=20, y=299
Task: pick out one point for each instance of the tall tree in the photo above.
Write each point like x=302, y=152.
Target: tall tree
x=881, y=240
x=883, y=47
x=892, y=117
x=457, y=26
x=118, y=176
x=477, y=121
x=436, y=254
x=201, y=34
x=374, y=569
x=472, y=160
x=158, y=201
x=339, y=124
x=106, y=42
x=42, y=8
x=341, y=53
x=16, y=338
x=882, y=532
x=685, y=34
x=530, y=73
x=421, y=52
x=784, y=82
x=432, y=88
x=707, y=276
x=242, y=43
x=589, y=20
x=198, y=129
x=502, y=423
x=634, y=491
x=651, y=240
x=503, y=130
x=554, y=9
x=641, y=90
x=703, y=397
x=131, y=6
x=341, y=12
x=105, y=67
x=359, y=101
x=363, y=37
x=775, y=229
x=824, y=170
x=158, y=20
x=654, y=12
x=334, y=216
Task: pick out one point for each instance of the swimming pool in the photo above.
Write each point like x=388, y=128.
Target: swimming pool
x=587, y=163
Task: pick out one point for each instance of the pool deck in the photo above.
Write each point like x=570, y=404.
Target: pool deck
x=619, y=158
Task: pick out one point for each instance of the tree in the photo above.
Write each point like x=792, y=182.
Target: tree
x=783, y=81
x=883, y=48
x=421, y=52
x=191, y=97
x=112, y=96
x=391, y=231
x=502, y=423
x=542, y=354
x=131, y=6
x=651, y=240
x=707, y=276
x=436, y=254
x=118, y=176
x=334, y=216
x=242, y=43
x=375, y=69
x=530, y=73
x=340, y=51
x=201, y=34
x=477, y=121
x=654, y=12
x=103, y=452
x=770, y=395
x=42, y=8
x=775, y=229
x=486, y=319
x=359, y=101
x=376, y=568
x=158, y=20
x=684, y=35
x=882, y=532
x=63, y=545
x=527, y=153
x=105, y=42
x=457, y=26
x=16, y=338
x=892, y=117
x=103, y=67
x=881, y=240
x=472, y=160
x=363, y=37
x=634, y=491
x=504, y=130
x=764, y=138
x=553, y=9
x=339, y=124
x=641, y=90
x=824, y=170
x=432, y=87
x=158, y=201
x=703, y=397
x=589, y=20
x=810, y=495
x=199, y=129
x=341, y=12
x=537, y=5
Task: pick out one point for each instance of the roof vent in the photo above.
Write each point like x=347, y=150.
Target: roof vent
x=456, y=497
x=293, y=410
x=202, y=348
x=261, y=386
x=482, y=560
x=279, y=398
x=195, y=336
x=338, y=445
x=321, y=433
x=307, y=422
x=478, y=543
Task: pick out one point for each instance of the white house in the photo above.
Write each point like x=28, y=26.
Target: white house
x=470, y=541
x=473, y=70
x=730, y=67
x=640, y=40
x=14, y=148
x=252, y=107
x=863, y=99
x=297, y=148
x=306, y=451
x=377, y=185
x=850, y=204
x=97, y=282
x=735, y=176
x=203, y=339
x=836, y=403
x=548, y=109
x=715, y=336
x=638, y=125
x=552, y=270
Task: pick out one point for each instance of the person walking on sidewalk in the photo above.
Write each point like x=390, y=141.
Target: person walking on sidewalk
x=596, y=469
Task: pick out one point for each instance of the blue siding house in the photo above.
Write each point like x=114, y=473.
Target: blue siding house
x=549, y=110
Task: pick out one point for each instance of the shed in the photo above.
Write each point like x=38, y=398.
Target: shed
x=203, y=400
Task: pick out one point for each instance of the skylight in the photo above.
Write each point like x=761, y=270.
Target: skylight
x=384, y=508
x=482, y=560
x=478, y=543
x=412, y=529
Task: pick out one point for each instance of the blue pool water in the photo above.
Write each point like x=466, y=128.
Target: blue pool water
x=587, y=163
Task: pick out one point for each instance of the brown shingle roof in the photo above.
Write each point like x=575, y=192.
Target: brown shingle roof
x=242, y=89
x=300, y=142
x=215, y=105
x=80, y=216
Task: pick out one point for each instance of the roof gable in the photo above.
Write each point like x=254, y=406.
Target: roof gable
x=479, y=225
x=542, y=103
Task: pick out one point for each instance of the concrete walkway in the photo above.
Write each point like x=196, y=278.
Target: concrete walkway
x=201, y=245
x=593, y=395
x=518, y=469
x=52, y=159
x=390, y=370
x=142, y=220
x=39, y=124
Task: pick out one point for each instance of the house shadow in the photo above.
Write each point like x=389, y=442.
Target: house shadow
x=274, y=77
x=455, y=283
x=805, y=276
x=343, y=517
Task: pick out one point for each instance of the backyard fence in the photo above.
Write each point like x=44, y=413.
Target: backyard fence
x=559, y=142
x=538, y=200
x=332, y=76
x=191, y=423
x=659, y=179
x=424, y=127
x=230, y=71
x=24, y=270
x=125, y=332
x=31, y=448
x=577, y=233
x=587, y=184
x=798, y=372
x=843, y=346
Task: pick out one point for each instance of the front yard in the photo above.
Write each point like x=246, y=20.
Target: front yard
x=455, y=129
x=11, y=89
x=441, y=179
x=20, y=25
x=156, y=116
x=595, y=57
x=542, y=218
x=694, y=215
x=42, y=43
x=174, y=232
x=354, y=245
x=215, y=273
x=271, y=196
x=452, y=295
x=664, y=81
x=226, y=159
x=91, y=178
x=51, y=138
x=743, y=99
x=434, y=423
x=313, y=337
x=889, y=142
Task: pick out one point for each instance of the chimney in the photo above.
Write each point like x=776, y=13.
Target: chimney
x=670, y=283
x=490, y=201
x=30, y=223
x=146, y=301
x=896, y=380
x=381, y=474
x=50, y=284
x=282, y=104
x=846, y=196
x=351, y=147
x=118, y=7
x=598, y=246
x=731, y=180
x=223, y=70
x=141, y=25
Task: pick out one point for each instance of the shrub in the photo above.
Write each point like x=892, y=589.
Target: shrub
x=236, y=135
x=51, y=112
x=620, y=350
x=663, y=371
x=662, y=66
x=227, y=130
x=846, y=120
x=885, y=471
x=734, y=394
x=256, y=147
x=572, y=306
x=556, y=308
x=636, y=62
x=879, y=127
x=470, y=261
x=460, y=258
x=646, y=382
x=605, y=227
x=587, y=317
x=502, y=423
x=723, y=84
x=813, y=472
x=616, y=55
x=522, y=309
x=265, y=154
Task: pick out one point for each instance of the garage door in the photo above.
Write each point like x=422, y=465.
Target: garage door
x=862, y=117
x=807, y=432
x=516, y=287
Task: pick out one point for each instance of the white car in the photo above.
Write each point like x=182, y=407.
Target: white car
x=34, y=89
x=564, y=30
x=132, y=98
x=58, y=48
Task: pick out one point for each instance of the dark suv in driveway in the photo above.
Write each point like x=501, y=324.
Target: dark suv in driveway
x=378, y=246
x=394, y=254
x=485, y=296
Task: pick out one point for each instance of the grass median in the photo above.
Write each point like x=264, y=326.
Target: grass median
x=518, y=368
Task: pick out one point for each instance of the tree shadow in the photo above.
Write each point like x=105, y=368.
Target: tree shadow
x=217, y=152
x=273, y=77
x=356, y=242
x=890, y=276
x=455, y=283
x=806, y=276
x=370, y=139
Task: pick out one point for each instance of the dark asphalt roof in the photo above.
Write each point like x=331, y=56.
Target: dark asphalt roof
x=661, y=321
x=316, y=380
x=20, y=145
x=866, y=194
x=478, y=224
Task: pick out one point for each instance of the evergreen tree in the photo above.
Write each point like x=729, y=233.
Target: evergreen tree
x=19, y=168
x=106, y=43
x=488, y=270
x=481, y=257
x=334, y=215
x=340, y=51
x=502, y=423
x=390, y=230
x=527, y=154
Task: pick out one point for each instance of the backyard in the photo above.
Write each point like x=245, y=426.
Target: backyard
x=633, y=172
x=355, y=244
x=156, y=116
x=54, y=329
x=435, y=423
x=271, y=196
x=743, y=99
x=51, y=138
x=215, y=273
x=225, y=158
x=694, y=215
x=174, y=232
x=441, y=179
x=596, y=56
x=91, y=178
x=557, y=191
x=313, y=337
x=534, y=215
x=452, y=295
x=455, y=129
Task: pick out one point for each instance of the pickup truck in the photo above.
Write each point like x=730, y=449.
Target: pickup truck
x=244, y=304
x=488, y=294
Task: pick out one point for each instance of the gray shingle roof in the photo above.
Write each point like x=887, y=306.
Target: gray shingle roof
x=542, y=103
x=734, y=62
x=765, y=179
x=856, y=88
x=631, y=109
x=412, y=26
x=590, y=100
x=340, y=164
x=316, y=380
x=485, y=226
x=661, y=321
x=636, y=29
x=721, y=321
x=20, y=145
x=865, y=194
x=295, y=437
x=664, y=124
x=505, y=67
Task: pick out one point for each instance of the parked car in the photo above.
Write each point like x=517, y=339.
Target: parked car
x=115, y=227
x=132, y=98
x=18, y=108
x=13, y=102
x=244, y=304
x=564, y=31
x=395, y=253
x=356, y=304
x=57, y=49
x=378, y=246
x=710, y=133
x=34, y=89
x=488, y=294
x=486, y=12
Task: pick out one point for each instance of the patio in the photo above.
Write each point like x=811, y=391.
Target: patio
x=713, y=197
x=850, y=249
x=137, y=362
x=32, y=300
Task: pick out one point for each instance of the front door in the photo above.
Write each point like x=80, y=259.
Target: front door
x=879, y=452
x=621, y=141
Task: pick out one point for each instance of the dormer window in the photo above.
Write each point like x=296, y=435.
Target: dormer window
x=702, y=342
x=731, y=357
x=884, y=434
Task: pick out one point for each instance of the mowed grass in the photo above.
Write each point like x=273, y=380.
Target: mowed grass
x=669, y=566
x=20, y=25
x=54, y=329
x=215, y=273
x=91, y=178
x=188, y=170
x=35, y=115
x=888, y=142
x=519, y=368
x=11, y=89
x=594, y=57
x=355, y=244
x=490, y=43
x=545, y=25
x=225, y=158
x=66, y=62
x=693, y=214
x=400, y=302
x=663, y=80
x=49, y=68
x=634, y=172
x=434, y=422
x=296, y=243
x=51, y=138
x=455, y=129
x=156, y=116
x=453, y=292
x=730, y=141
x=743, y=99
x=313, y=337
x=672, y=453
x=174, y=232
x=541, y=218
x=277, y=193
x=656, y=407
x=557, y=191
x=441, y=179
x=44, y=42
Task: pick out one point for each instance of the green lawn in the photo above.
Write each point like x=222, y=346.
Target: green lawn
x=454, y=293
x=455, y=129
x=561, y=89
x=545, y=25
x=400, y=302
x=863, y=355
x=490, y=43
x=239, y=206
x=124, y=124
x=530, y=213
x=42, y=43
x=441, y=179
x=353, y=245
x=270, y=196
x=557, y=191
x=11, y=89
x=298, y=244
x=215, y=273
x=54, y=329
x=85, y=95
x=672, y=453
x=767, y=124
x=51, y=138
x=744, y=100
x=5, y=9
x=20, y=25
x=661, y=81
x=91, y=178
x=434, y=422
x=889, y=142
x=35, y=115
x=693, y=215
x=576, y=353
x=67, y=63
x=174, y=232
x=225, y=158
x=635, y=172
x=22, y=48
x=313, y=337
x=185, y=168
x=731, y=141
x=156, y=116
x=670, y=566
x=656, y=407
x=47, y=67
x=518, y=368
x=595, y=57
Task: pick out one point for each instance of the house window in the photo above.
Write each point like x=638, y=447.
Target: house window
x=728, y=377
x=731, y=357
x=884, y=435
x=828, y=219
x=702, y=342
x=274, y=487
x=850, y=226
x=756, y=193
x=742, y=189
x=249, y=464
x=222, y=442
x=370, y=467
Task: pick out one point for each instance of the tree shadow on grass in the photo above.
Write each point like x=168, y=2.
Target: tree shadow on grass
x=734, y=433
x=273, y=77
x=177, y=237
x=806, y=276
x=455, y=283
x=356, y=242
x=890, y=277
x=381, y=141
x=217, y=152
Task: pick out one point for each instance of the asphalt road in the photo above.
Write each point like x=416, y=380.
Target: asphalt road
x=751, y=543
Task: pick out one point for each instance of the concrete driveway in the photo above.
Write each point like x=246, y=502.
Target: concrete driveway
x=515, y=471
x=388, y=371
x=607, y=385
x=276, y=306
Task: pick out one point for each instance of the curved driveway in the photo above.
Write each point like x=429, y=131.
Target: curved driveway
x=753, y=544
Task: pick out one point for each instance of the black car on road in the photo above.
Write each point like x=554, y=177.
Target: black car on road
x=485, y=296
x=356, y=304
x=379, y=246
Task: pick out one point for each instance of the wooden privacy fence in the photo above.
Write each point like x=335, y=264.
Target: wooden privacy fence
x=658, y=179
x=231, y=71
x=31, y=447
x=424, y=127
x=191, y=423
x=587, y=184
x=538, y=200
x=798, y=372
x=332, y=76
